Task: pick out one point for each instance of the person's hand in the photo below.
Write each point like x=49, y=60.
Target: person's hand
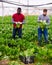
x=42, y=24
x=40, y=21
x=18, y=24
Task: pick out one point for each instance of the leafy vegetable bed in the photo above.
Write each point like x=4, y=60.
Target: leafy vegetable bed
x=28, y=45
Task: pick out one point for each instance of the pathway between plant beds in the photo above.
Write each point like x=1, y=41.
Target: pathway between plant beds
x=5, y=62
x=34, y=64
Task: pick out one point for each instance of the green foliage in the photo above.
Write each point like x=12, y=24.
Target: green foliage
x=42, y=24
x=15, y=63
x=27, y=46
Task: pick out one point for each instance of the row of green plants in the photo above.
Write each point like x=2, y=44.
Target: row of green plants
x=40, y=53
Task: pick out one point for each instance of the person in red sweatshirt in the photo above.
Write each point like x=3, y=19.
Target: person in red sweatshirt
x=18, y=19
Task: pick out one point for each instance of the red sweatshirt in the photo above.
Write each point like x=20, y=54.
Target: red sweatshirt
x=18, y=17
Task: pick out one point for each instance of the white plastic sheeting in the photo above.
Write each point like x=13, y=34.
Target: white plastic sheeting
x=9, y=9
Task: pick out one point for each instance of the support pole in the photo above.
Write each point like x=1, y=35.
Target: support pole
x=2, y=12
x=27, y=10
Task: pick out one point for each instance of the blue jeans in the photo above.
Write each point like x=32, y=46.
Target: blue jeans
x=44, y=32
x=19, y=30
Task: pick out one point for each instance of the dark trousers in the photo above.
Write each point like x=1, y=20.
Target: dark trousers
x=44, y=32
x=17, y=30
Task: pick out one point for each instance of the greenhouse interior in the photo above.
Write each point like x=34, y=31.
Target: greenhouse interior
x=25, y=32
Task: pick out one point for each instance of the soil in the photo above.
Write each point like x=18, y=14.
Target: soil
x=5, y=62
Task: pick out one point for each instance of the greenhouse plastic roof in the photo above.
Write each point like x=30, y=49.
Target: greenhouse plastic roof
x=27, y=2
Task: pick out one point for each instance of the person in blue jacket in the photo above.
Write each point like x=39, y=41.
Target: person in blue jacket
x=43, y=19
